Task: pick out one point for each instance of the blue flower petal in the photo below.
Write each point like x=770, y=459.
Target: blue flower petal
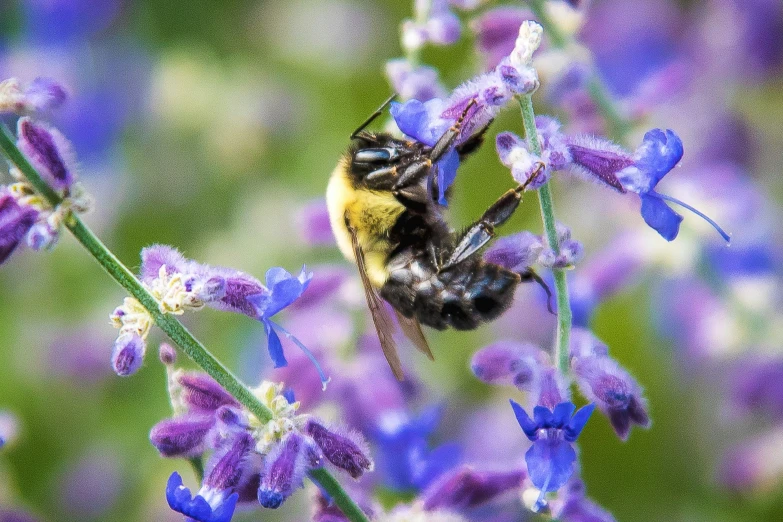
x=284, y=293
x=447, y=173
x=659, y=216
x=550, y=463
x=659, y=153
x=577, y=423
x=543, y=417
x=562, y=414
x=413, y=119
x=439, y=461
x=525, y=422
x=180, y=500
x=274, y=346
x=276, y=275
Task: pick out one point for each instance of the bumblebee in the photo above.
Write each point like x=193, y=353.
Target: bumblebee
x=384, y=213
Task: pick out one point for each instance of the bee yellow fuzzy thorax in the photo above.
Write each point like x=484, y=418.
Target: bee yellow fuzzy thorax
x=371, y=213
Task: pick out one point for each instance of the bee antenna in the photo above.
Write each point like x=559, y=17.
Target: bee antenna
x=530, y=274
x=374, y=115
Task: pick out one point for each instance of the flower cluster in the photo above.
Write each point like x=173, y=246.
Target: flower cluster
x=263, y=460
x=25, y=215
x=524, y=249
x=179, y=285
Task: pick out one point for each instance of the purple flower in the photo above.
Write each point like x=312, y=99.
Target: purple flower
x=550, y=461
x=414, y=83
x=16, y=220
x=201, y=393
x=343, y=448
x=514, y=153
x=516, y=252
x=756, y=387
x=198, y=508
x=49, y=152
x=128, y=354
x=569, y=250
x=465, y=487
x=496, y=32
x=578, y=508
x=284, y=471
x=182, y=436
x=40, y=96
x=640, y=172
x=509, y=362
x=605, y=383
x=434, y=23
x=314, y=226
x=404, y=456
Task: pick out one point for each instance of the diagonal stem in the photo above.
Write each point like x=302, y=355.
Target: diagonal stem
x=562, y=341
x=168, y=323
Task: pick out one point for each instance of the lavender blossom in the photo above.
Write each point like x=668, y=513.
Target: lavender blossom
x=16, y=220
x=550, y=461
x=433, y=23
x=49, y=152
x=40, y=96
x=509, y=362
x=465, y=487
x=128, y=354
x=284, y=472
x=414, y=82
x=183, y=436
x=342, y=448
x=514, y=154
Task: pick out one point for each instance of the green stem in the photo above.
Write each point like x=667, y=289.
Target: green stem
x=338, y=495
x=561, y=355
x=168, y=323
x=596, y=88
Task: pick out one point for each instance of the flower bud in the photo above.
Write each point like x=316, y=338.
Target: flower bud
x=283, y=471
x=128, y=354
x=465, y=487
x=182, y=436
x=49, y=152
x=343, y=449
x=167, y=354
x=201, y=393
x=16, y=220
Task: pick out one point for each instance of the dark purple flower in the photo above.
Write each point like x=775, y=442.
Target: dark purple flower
x=345, y=449
x=314, y=225
x=200, y=392
x=48, y=151
x=640, y=172
x=16, y=220
x=128, y=354
x=198, y=508
x=516, y=252
x=414, y=83
x=550, y=461
x=284, y=471
x=182, y=436
x=605, y=383
x=465, y=487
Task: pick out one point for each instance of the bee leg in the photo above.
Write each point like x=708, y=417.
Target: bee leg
x=446, y=141
x=473, y=143
x=481, y=232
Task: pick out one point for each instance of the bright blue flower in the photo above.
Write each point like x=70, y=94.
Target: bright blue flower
x=550, y=460
x=181, y=501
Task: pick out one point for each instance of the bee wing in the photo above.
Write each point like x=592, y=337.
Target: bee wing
x=383, y=322
x=412, y=329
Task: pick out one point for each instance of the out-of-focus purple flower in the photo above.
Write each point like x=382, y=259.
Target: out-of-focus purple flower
x=754, y=464
x=314, y=226
x=197, y=508
x=514, y=154
x=496, y=32
x=404, y=457
x=640, y=172
x=284, y=471
x=465, y=487
x=509, y=362
x=49, y=152
x=343, y=448
x=756, y=387
x=433, y=23
x=414, y=83
x=40, y=96
x=576, y=507
x=16, y=515
x=9, y=428
x=16, y=220
x=608, y=385
x=128, y=354
x=550, y=461
x=61, y=22
x=91, y=486
x=569, y=250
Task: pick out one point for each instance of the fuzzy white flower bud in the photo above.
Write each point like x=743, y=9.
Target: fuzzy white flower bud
x=528, y=41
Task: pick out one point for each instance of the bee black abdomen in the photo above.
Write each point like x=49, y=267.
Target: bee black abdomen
x=462, y=298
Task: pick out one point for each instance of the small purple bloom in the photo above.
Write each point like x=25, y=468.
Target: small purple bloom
x=16, y=220
x=516, y=252
x=42, y=235
x=40, y=96
x=756, y=387
x=345, y=449
x=434, y=23
x=514, y=153
x=156, y=256
x=605, y=383
x=49, y=152
x=550, y=461
x=578, y=508
x=508, y=362
x=167, y=354
x=658, y=154
x=283, y=472
x=414, y=83
x=570, y=250
x=197, y=508
x=200, y=392
x=226, y=467
x=128, y=354
x=465, y=487
x=496, y=32
x=183, y=436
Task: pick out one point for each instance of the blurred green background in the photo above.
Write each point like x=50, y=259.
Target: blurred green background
x=224, y=117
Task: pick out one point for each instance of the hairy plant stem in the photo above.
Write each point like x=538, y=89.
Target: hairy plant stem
x=562, y=340
x=618, y=125
x=167, y=322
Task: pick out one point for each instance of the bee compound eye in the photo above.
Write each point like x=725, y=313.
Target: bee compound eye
x=379, y=155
